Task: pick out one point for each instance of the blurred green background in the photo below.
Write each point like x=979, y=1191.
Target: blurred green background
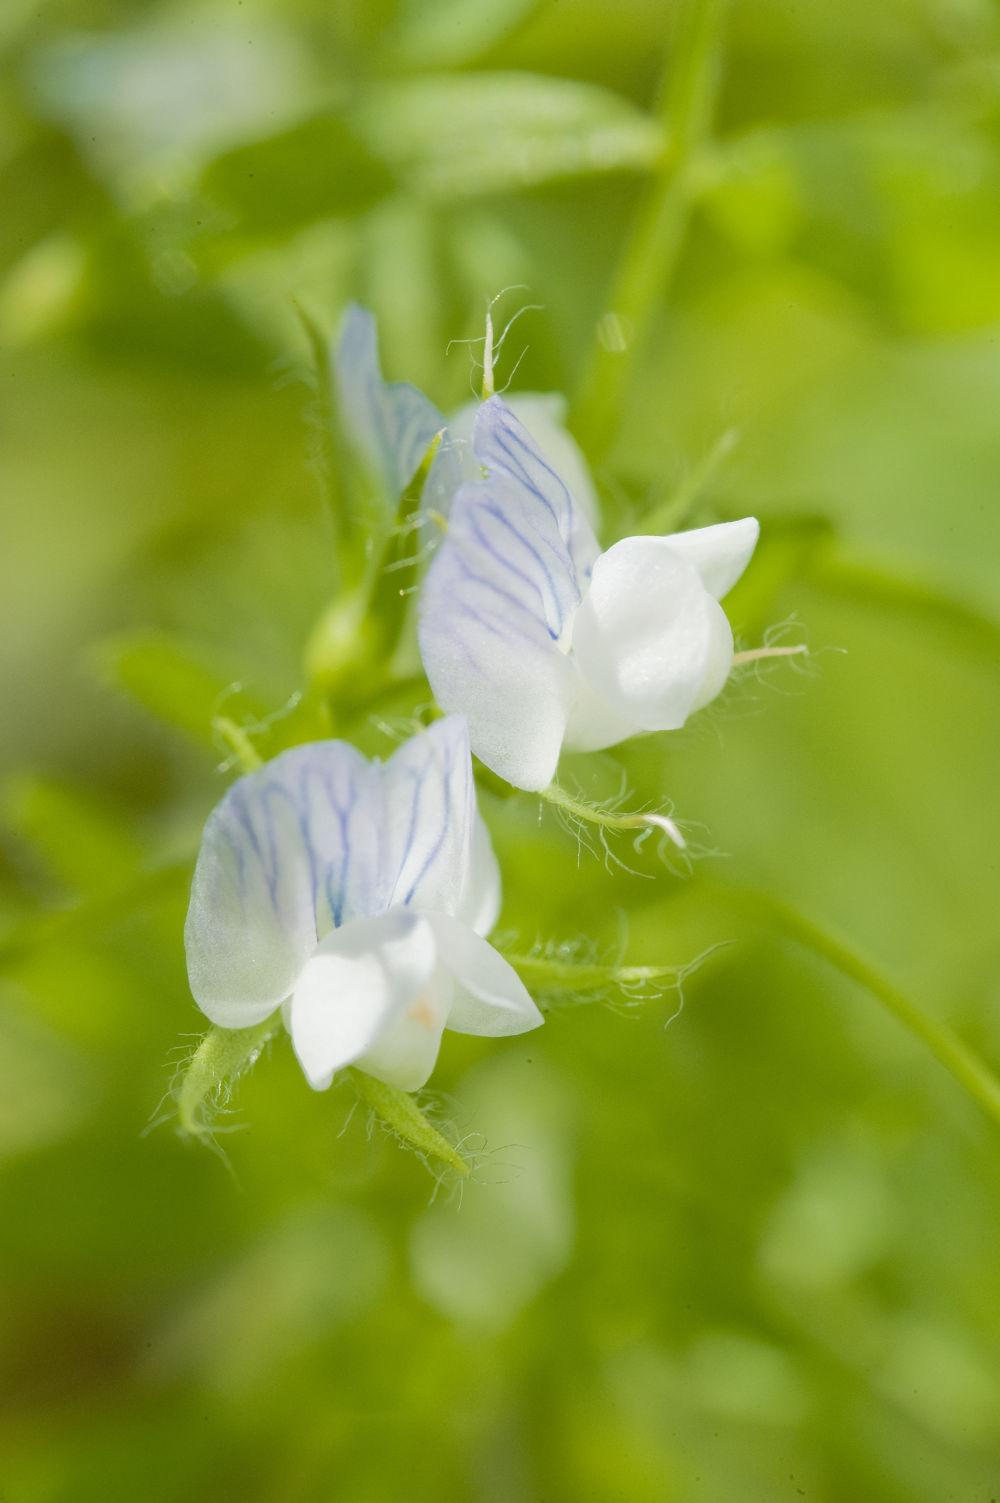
x=749, y=1256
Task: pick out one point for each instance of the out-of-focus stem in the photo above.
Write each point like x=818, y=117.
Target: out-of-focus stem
x=686, y=106
x=948, y=1049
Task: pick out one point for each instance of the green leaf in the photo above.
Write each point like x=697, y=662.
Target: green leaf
x=319, y=169
x=464, y=136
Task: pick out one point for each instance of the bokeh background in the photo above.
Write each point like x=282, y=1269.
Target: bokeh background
x=740, y=1250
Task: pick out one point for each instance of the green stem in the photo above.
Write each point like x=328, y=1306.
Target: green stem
x=687, y=103
x=238, y=741
x=537, y=971
x=399, y=1111
x=672, y=513
x=606, y=819
x=948, y=1049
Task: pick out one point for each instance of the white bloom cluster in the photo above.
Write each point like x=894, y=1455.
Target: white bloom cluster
x=355, y=895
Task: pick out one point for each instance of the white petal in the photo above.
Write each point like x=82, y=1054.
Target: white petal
x=289, y=852
x=428, y=813
x=594, y=723
x=357, y=988
x=490, y=997
x=389, y=424
x=719, y=553
x=648, y=639
x=543, y=414
x=498, y=594
x=480, y=905
x=499, y=600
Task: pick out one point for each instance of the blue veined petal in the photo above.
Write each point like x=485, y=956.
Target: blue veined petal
x=389, y=424
x=290, y=852
x=543, y=415
x=428, y=814
x=498, y=595
x=504, y=446
x=499, y=600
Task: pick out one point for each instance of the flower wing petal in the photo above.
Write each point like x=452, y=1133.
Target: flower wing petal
x=649, y=640
x=719, y=553
x=288, y=853
x=390, y=424
x=490, y=998
x=355, y=992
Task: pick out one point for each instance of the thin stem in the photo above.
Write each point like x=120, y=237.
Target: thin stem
x=651, y=254
x=594, y=815
x=755, y=654
x=574, y=975
x=948, y=1049
x=238, y=742
x=671, y=513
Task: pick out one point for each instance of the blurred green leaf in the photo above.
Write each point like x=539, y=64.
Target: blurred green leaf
x=516, y=1228
x=441, y=32
x=788, y=548
x=319, y=1267
x=44, y=1086
x=452, y=137
x=314, y=170
x=86, y=844
x=175, y=684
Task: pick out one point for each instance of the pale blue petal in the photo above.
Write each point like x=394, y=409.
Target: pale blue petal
x=543, y=415
x=389, y=424
x=503, y=446
x=289, y=853
x=498, y=595
x=499, y=600
x=428, y=815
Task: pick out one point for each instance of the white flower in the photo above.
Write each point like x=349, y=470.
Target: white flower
x=355, y=893
x=541, y=640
